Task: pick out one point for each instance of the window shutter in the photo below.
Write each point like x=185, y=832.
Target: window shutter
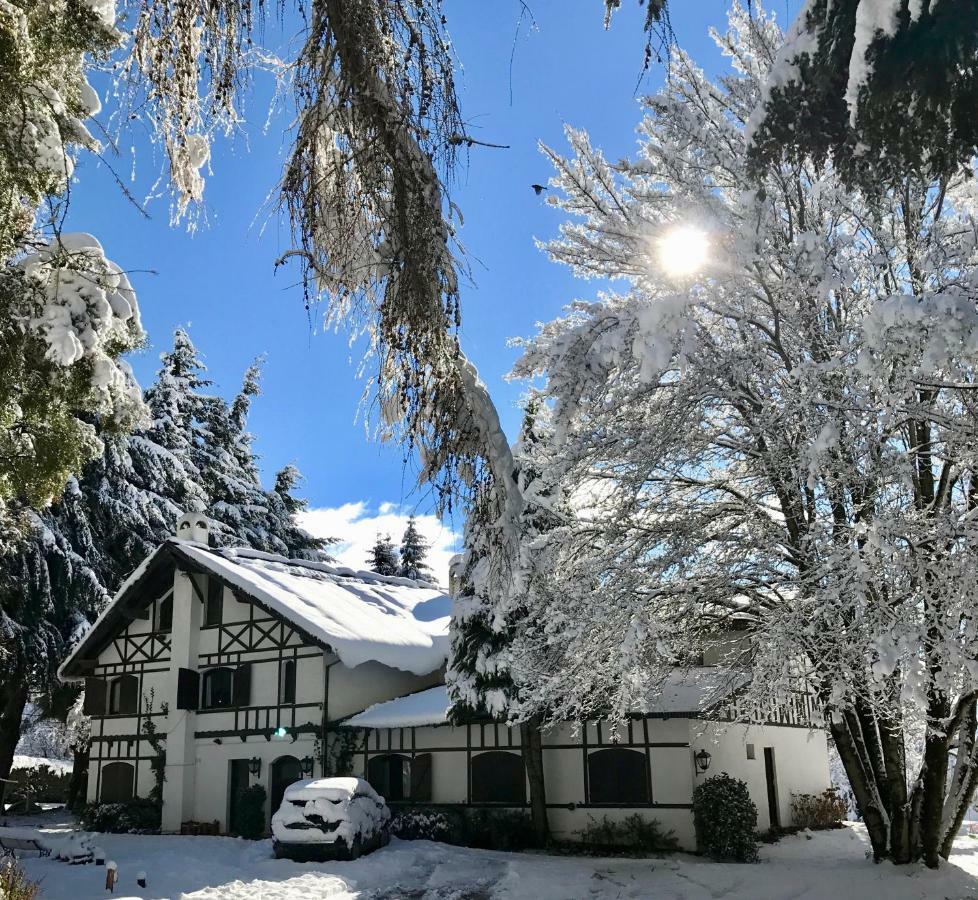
x=242, y=685
x=94, y=697
x=128, y=694
x=421, y=777
x=188, y=689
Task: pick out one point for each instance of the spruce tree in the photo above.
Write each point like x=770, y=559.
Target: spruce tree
x=383, y=556
x=414, y=550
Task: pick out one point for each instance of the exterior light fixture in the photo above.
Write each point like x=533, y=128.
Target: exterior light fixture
x=280, y=732
x=305, y=765
x=702, y=760
x=254, y=766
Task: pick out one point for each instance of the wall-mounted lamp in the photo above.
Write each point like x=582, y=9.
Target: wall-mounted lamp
x=280, y=733
x=702, y=760
x=305, y=764
x=254, y=766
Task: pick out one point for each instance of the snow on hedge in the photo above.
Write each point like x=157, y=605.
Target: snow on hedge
x=690, y=691
x=361, y=615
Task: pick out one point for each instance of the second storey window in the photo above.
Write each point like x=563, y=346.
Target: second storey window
x=218, y=688
x=123, y=695
x=287, y=682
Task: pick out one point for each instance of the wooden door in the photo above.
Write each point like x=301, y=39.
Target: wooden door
x=771, y=776
x=285, y=770
x=237, y=781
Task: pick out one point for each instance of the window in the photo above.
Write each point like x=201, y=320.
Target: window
x=286, y=684
x=390, y=776
x=214, y=609
x=164, y=614
x=117, y=782
x=618, y=776
x=498, y=777
x=218, y=688
x=123, y=695
x=396, y=777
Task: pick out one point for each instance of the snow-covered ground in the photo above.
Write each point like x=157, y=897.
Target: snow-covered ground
x=830, y=865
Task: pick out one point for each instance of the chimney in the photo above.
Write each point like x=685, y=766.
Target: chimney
x=194, y=527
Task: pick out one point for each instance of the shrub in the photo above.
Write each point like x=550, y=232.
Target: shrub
x=498, y=829
x=632, y=833
x=251, y=812
x=40, y=784
x=825, y=810
x=14, y=884
x=725, y=819
x=138, y=816
x=420, y=824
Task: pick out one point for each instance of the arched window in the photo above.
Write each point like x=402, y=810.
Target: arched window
x=117, y=782
x=218, y=688
x=390, y=776
x=286, y=689
x=618, y=776
x=164, y=614
x=398, y=777
x=123, y=695
x=498, y=777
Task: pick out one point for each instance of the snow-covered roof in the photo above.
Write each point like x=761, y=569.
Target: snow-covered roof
x=685, y=692
x=361, y=616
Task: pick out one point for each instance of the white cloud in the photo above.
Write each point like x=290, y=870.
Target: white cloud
x=356, y=526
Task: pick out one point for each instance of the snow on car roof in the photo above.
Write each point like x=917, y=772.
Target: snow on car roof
x=330, y=789
x=362, y=616
x=687, y=692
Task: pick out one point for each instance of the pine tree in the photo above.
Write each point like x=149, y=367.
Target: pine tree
x=414, y=550
x=383, y=556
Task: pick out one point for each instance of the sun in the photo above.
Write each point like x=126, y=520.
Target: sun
x=683, y=251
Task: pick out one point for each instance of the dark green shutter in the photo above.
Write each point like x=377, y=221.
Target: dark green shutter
x=421, y=777
x=242, y=685
x=94, y=697
x=188, y=689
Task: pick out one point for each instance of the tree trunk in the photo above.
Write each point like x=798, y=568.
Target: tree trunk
x=533, y=755
x=77, y=786
x=964, y=779
x=13, y=699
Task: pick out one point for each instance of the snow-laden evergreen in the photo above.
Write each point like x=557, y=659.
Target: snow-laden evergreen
x=413, y=553
x=383, y=556
x=194, y=454
x=786, y=437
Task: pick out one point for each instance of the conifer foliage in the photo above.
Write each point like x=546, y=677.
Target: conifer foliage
x=383, y=556
x=195, y=453
x=414, y=551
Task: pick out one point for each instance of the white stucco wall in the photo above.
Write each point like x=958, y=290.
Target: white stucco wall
x=801, y=761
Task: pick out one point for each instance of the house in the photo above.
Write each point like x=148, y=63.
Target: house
x=256, y=669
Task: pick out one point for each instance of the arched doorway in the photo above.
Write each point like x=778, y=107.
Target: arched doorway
x=285, y=770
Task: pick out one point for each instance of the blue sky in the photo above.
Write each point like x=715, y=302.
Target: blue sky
x=219, y=281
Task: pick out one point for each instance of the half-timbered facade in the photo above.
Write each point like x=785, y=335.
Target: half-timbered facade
x=226, y=668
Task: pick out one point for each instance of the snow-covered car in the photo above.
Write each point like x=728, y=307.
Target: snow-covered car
x=329, y=818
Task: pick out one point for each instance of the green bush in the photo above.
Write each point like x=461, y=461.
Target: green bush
x=251, y=812
x=725, y=819
x=138, y=816
x=39, y=784
x=825, y=810
x=632, y=833
x=488, y=829
x=14, y=884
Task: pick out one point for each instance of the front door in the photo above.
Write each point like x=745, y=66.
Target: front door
x=285, y=770
x=771, y=776
x=237, y=781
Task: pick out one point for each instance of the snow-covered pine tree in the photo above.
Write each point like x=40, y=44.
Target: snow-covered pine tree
x=785, y=433
x=383, y=556
x=414, y=552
